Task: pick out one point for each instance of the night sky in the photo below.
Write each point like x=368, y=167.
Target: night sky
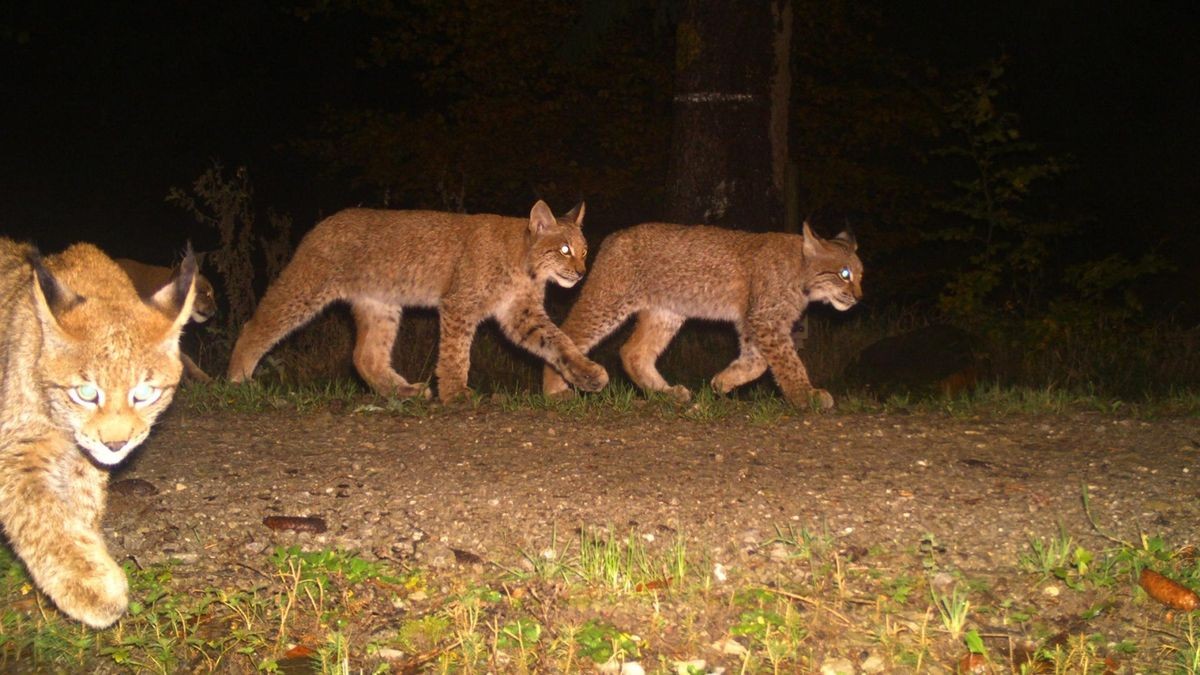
x=105, y=108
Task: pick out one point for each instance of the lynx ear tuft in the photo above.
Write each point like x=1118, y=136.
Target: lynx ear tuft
x=176, y=297
x=541, y=219
x=51, y=296
x=576, y=215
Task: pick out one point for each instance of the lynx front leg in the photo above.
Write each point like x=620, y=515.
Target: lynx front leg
x=529, y=326
x=51, y=515
x=376, y=324
x=454, y=353
x=775, y=342
x=653, y=333
x=588, y=323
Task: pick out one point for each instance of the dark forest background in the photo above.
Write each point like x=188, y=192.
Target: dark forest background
x=1012, y=167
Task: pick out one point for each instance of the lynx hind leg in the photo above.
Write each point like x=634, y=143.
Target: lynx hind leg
x=292, y=300
x=747, y=367
x=376, y=324
x=651, y=335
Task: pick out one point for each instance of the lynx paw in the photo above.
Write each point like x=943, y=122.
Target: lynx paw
x=97, y=601
x=420, y=390
x=554, y=386
x=820, y=399
x=678, y=393
x=455, y=395
x=587, y=375
x=721, y=386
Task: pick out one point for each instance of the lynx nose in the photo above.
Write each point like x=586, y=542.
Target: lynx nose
x=116, y=446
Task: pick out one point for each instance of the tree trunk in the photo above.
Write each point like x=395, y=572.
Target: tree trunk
x=730, y=138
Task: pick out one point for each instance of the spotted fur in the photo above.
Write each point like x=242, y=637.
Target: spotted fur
x=470, y=267
x=760, y=282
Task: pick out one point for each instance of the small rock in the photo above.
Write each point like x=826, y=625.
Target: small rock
x=693, y=666
x=619, y=668
x=135, y=487
x=389, y=653
x=779, y=553
x=943, y=583
x=464, y=557
x=872, y=664
x=719, y=573
x=729, y=646
x=837, y=666
x=438, y=556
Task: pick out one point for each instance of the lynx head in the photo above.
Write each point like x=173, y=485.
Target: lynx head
x=834, y=270
x=558, y=248
x=109, y=361
x=205, y=304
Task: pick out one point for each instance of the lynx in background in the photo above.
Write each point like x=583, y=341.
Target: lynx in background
x=669, y=273
x=148, y=279
x=470, y=267
x=86, y=365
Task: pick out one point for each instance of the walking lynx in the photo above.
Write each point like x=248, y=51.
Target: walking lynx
x=669, y=273
x=86, y=365
x=470, y=267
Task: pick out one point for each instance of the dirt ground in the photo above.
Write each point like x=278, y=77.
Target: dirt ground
x=460, y=487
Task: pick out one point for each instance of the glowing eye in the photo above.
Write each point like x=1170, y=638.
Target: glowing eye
x=845, y=274
x=87, y=395
x=144, y=394
x=565, y=249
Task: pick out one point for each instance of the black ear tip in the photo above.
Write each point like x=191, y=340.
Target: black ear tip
x=186, y=271
x=57, y=296
x=189, y=257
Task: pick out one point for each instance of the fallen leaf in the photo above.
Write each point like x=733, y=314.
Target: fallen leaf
x=295, y=523
x=1168, y=592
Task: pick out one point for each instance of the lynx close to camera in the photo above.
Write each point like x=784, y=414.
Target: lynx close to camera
x=762, y=283
x=470, y=267
x=86, y=368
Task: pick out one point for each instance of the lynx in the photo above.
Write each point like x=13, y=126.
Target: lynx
x=87, y=367
x=148, y=279
x=762, y=283
x=470, y=267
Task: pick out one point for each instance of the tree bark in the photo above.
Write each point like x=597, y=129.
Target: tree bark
x=729, y=144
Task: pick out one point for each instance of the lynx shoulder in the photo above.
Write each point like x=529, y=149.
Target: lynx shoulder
x=87, y=367
x=760, y=282
x=469, y=267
